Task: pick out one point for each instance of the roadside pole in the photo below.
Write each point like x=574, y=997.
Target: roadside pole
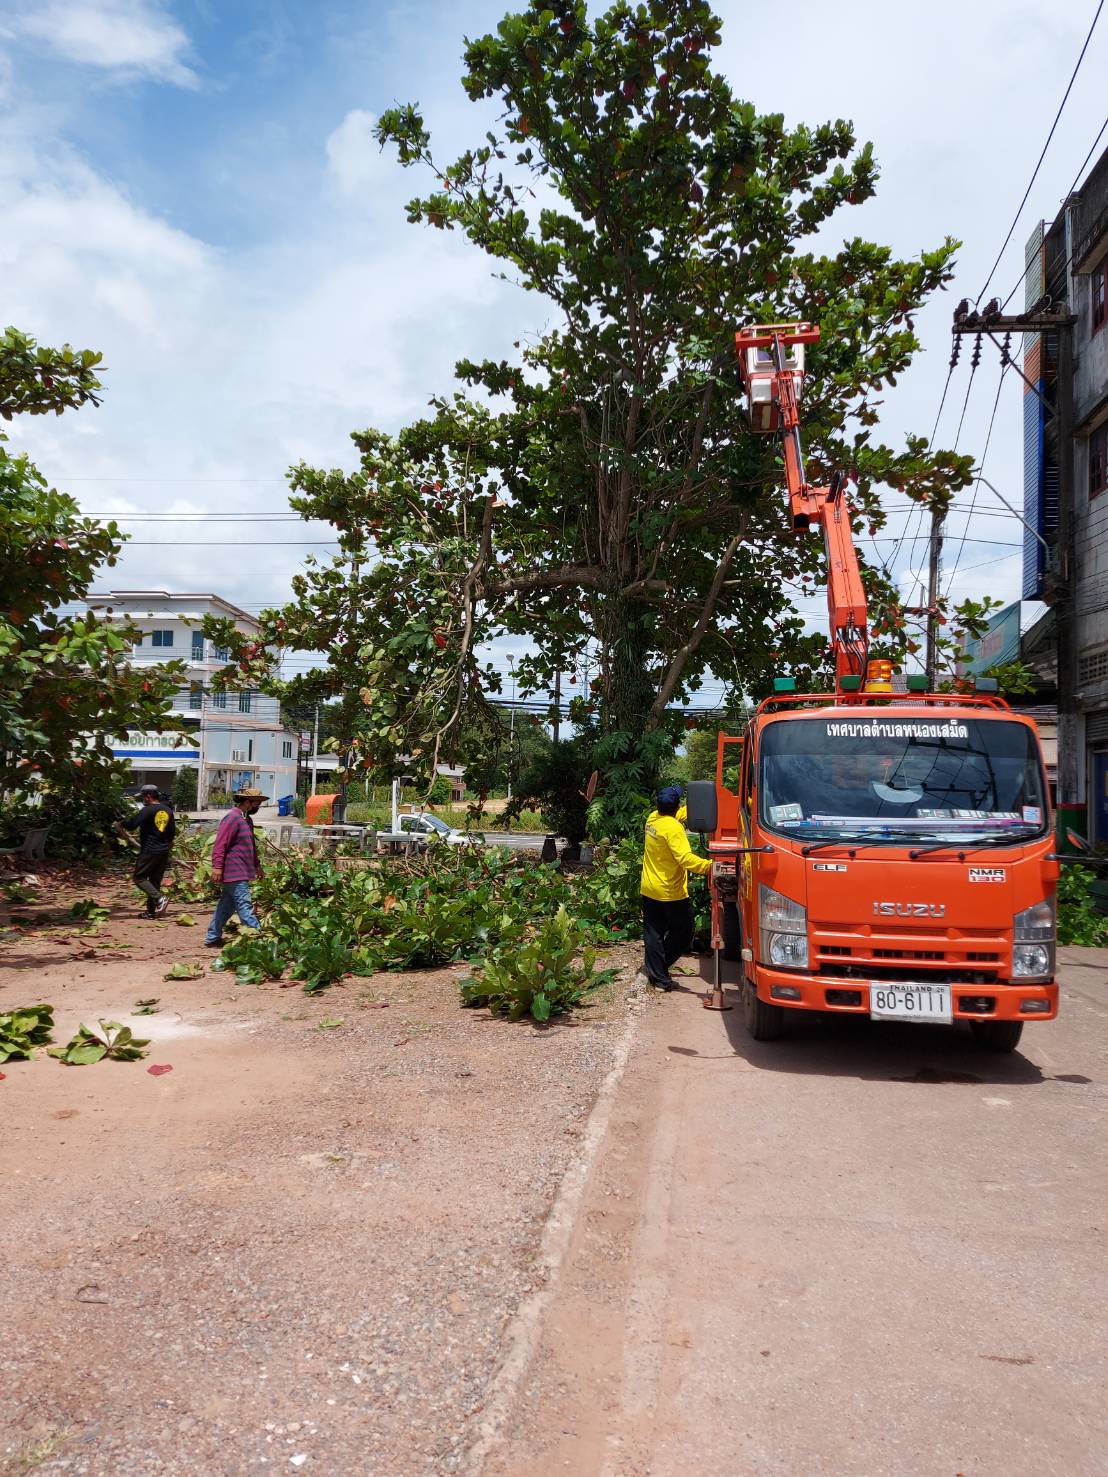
x=512, y=726
x=201, y=788
x=315, y=751
x=934, y=570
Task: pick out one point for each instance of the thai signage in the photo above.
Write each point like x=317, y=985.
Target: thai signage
x=136, y=738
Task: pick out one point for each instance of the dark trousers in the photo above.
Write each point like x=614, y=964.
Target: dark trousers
x=667, y=934
x=147, y=876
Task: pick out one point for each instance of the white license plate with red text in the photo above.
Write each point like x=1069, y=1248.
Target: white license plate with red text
x=910, y=1002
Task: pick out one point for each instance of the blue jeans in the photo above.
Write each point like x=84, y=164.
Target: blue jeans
x=235, y=898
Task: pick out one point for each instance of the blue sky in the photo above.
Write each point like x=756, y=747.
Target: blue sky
x=191, y=186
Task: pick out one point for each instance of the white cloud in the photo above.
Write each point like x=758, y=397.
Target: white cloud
x=225, y=366
x=353, y=155
x=127, y=36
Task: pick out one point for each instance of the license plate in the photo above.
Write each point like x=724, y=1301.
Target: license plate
x=910, y=1003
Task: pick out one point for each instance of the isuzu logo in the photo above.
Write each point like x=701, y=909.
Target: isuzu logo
x=910, y=910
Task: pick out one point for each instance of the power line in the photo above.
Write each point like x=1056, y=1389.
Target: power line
x=1042, y=156
x=977, y=484
x=200, y=518
x=1022, y=276
x=252, y=543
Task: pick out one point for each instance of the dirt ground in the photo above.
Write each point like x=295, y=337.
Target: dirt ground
x=299, y=1249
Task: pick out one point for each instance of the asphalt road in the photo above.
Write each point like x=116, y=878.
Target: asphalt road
x=863, y=1249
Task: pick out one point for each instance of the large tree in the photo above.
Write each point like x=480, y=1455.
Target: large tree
x=65, y=686
x=600, y=491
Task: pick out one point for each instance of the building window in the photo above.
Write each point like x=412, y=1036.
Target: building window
x=244, y=702
x=198, y=646
x=196, y=696
x=1098, y=460
x=286, y=749
x=1099, y=285
x=249, y=751
x=219, y=700
x=222, y=654
x=162, y=638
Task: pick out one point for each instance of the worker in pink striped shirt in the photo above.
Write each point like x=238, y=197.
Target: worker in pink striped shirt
x=235, y=864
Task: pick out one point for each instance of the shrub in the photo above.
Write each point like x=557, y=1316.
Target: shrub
x=183, y=794
x=553, y=782
x=218, y=799
x=1079, y=921
x=360, y=814
x=79, y=819
x=547, y=975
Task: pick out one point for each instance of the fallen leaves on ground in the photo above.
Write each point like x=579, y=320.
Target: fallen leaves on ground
x=184, y=971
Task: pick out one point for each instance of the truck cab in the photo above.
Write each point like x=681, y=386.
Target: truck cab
x=888, y=857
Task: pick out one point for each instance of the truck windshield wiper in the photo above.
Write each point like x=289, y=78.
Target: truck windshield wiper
x=1009, y=839
x=864, y=838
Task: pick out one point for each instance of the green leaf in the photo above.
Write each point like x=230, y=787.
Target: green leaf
x=185, y=971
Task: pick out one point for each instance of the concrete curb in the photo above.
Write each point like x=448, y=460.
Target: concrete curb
x=526, y=1329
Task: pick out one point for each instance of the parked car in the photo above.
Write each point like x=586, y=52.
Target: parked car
x=425, y=824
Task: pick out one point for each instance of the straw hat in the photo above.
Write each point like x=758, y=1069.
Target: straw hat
x=251, y=792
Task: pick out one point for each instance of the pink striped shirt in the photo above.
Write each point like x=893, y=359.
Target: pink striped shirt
x=235, y=852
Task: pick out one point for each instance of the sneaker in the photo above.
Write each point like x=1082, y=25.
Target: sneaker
x=160, y=906
x=213, y=943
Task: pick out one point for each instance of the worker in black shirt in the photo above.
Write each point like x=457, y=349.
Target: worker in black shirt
x=157, y=828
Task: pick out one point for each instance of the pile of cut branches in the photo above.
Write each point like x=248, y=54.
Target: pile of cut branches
x=447, y=905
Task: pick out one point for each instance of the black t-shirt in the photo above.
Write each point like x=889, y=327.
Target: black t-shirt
x=155, y=825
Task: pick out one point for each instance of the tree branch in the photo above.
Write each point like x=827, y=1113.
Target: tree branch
x=696, y=635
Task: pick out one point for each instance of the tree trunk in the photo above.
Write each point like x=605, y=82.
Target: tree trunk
x=625, y=628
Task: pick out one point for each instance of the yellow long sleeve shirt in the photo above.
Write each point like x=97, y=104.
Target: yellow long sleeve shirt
x=668, y=859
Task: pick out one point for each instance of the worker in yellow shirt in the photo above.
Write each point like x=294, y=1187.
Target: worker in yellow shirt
x=667, y=912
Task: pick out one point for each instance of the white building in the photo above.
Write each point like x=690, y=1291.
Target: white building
x=237, y=737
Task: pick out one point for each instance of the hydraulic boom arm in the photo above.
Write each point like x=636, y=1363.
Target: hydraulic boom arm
x=771, y=364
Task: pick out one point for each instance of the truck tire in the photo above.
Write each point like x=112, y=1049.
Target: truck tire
x=997, y=1035
x=764, y=1022
x=732, y=932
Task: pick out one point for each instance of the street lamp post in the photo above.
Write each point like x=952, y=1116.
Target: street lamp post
x=512, y=726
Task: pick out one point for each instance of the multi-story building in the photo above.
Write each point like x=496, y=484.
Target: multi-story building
x=1067, y=261
x=233, y=738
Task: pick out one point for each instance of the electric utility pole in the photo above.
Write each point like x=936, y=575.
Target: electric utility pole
x=934, y=571
x=512, y=727
x=1049, y=317
x=315, y=751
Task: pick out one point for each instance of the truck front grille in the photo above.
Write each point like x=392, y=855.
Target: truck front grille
x=904, y=957
x=894, y=974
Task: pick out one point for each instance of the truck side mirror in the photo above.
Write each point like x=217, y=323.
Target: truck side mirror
x=1077, y=841
x=702, y=807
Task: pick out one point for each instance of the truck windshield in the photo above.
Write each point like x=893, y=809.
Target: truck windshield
x=928, y=776
x=433, y=823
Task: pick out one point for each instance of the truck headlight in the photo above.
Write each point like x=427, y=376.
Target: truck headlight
x=784, y=930
x=1033, y=934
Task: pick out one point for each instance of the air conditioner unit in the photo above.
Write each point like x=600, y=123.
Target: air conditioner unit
x=238, y=756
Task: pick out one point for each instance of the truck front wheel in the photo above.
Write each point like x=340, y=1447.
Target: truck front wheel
x=764, y=1022
x=997, y=1035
